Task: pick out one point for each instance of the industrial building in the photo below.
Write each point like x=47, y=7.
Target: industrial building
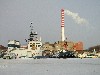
x=71, y=46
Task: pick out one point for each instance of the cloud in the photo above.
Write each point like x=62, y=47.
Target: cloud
x=76, y=17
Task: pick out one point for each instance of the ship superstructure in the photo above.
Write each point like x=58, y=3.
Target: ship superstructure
x=13, y=44
x=33, y=48
x=33, y=42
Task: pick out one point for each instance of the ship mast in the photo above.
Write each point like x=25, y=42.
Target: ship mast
x=33, y=35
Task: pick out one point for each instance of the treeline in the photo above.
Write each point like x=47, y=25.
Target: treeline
x=96, y=48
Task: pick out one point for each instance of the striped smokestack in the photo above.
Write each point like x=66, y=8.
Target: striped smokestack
x=62, y=25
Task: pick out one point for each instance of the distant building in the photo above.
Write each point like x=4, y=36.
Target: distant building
x=96, y=48
x=71, y=46
x=48, y=46
x=2, y=48
x=78, y=46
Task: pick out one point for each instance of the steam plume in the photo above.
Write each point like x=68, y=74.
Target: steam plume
x=76, y=17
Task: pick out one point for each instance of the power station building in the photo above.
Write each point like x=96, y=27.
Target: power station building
x=63, y=44
x=57, y=46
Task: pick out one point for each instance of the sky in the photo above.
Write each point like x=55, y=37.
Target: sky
x=17, y=15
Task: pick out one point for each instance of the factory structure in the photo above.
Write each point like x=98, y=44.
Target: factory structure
x=62, y=25
x=64, y=44
x=68, y=44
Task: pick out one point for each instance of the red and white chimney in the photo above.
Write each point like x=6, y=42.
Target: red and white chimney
x=62, y=25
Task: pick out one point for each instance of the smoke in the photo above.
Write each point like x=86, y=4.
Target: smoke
x=76, y=17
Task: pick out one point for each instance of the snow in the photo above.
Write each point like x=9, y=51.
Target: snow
x=50, y=66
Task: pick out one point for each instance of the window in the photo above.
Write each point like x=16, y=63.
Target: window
x=33, y=44
x=30, y=45
x=11, y=45
x=39, y=45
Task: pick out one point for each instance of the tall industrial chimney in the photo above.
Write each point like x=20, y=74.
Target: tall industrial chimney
x=62, y=25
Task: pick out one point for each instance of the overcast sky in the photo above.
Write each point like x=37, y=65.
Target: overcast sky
x=16, y=16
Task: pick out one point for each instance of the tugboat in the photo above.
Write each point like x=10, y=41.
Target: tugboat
x=33, y=48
